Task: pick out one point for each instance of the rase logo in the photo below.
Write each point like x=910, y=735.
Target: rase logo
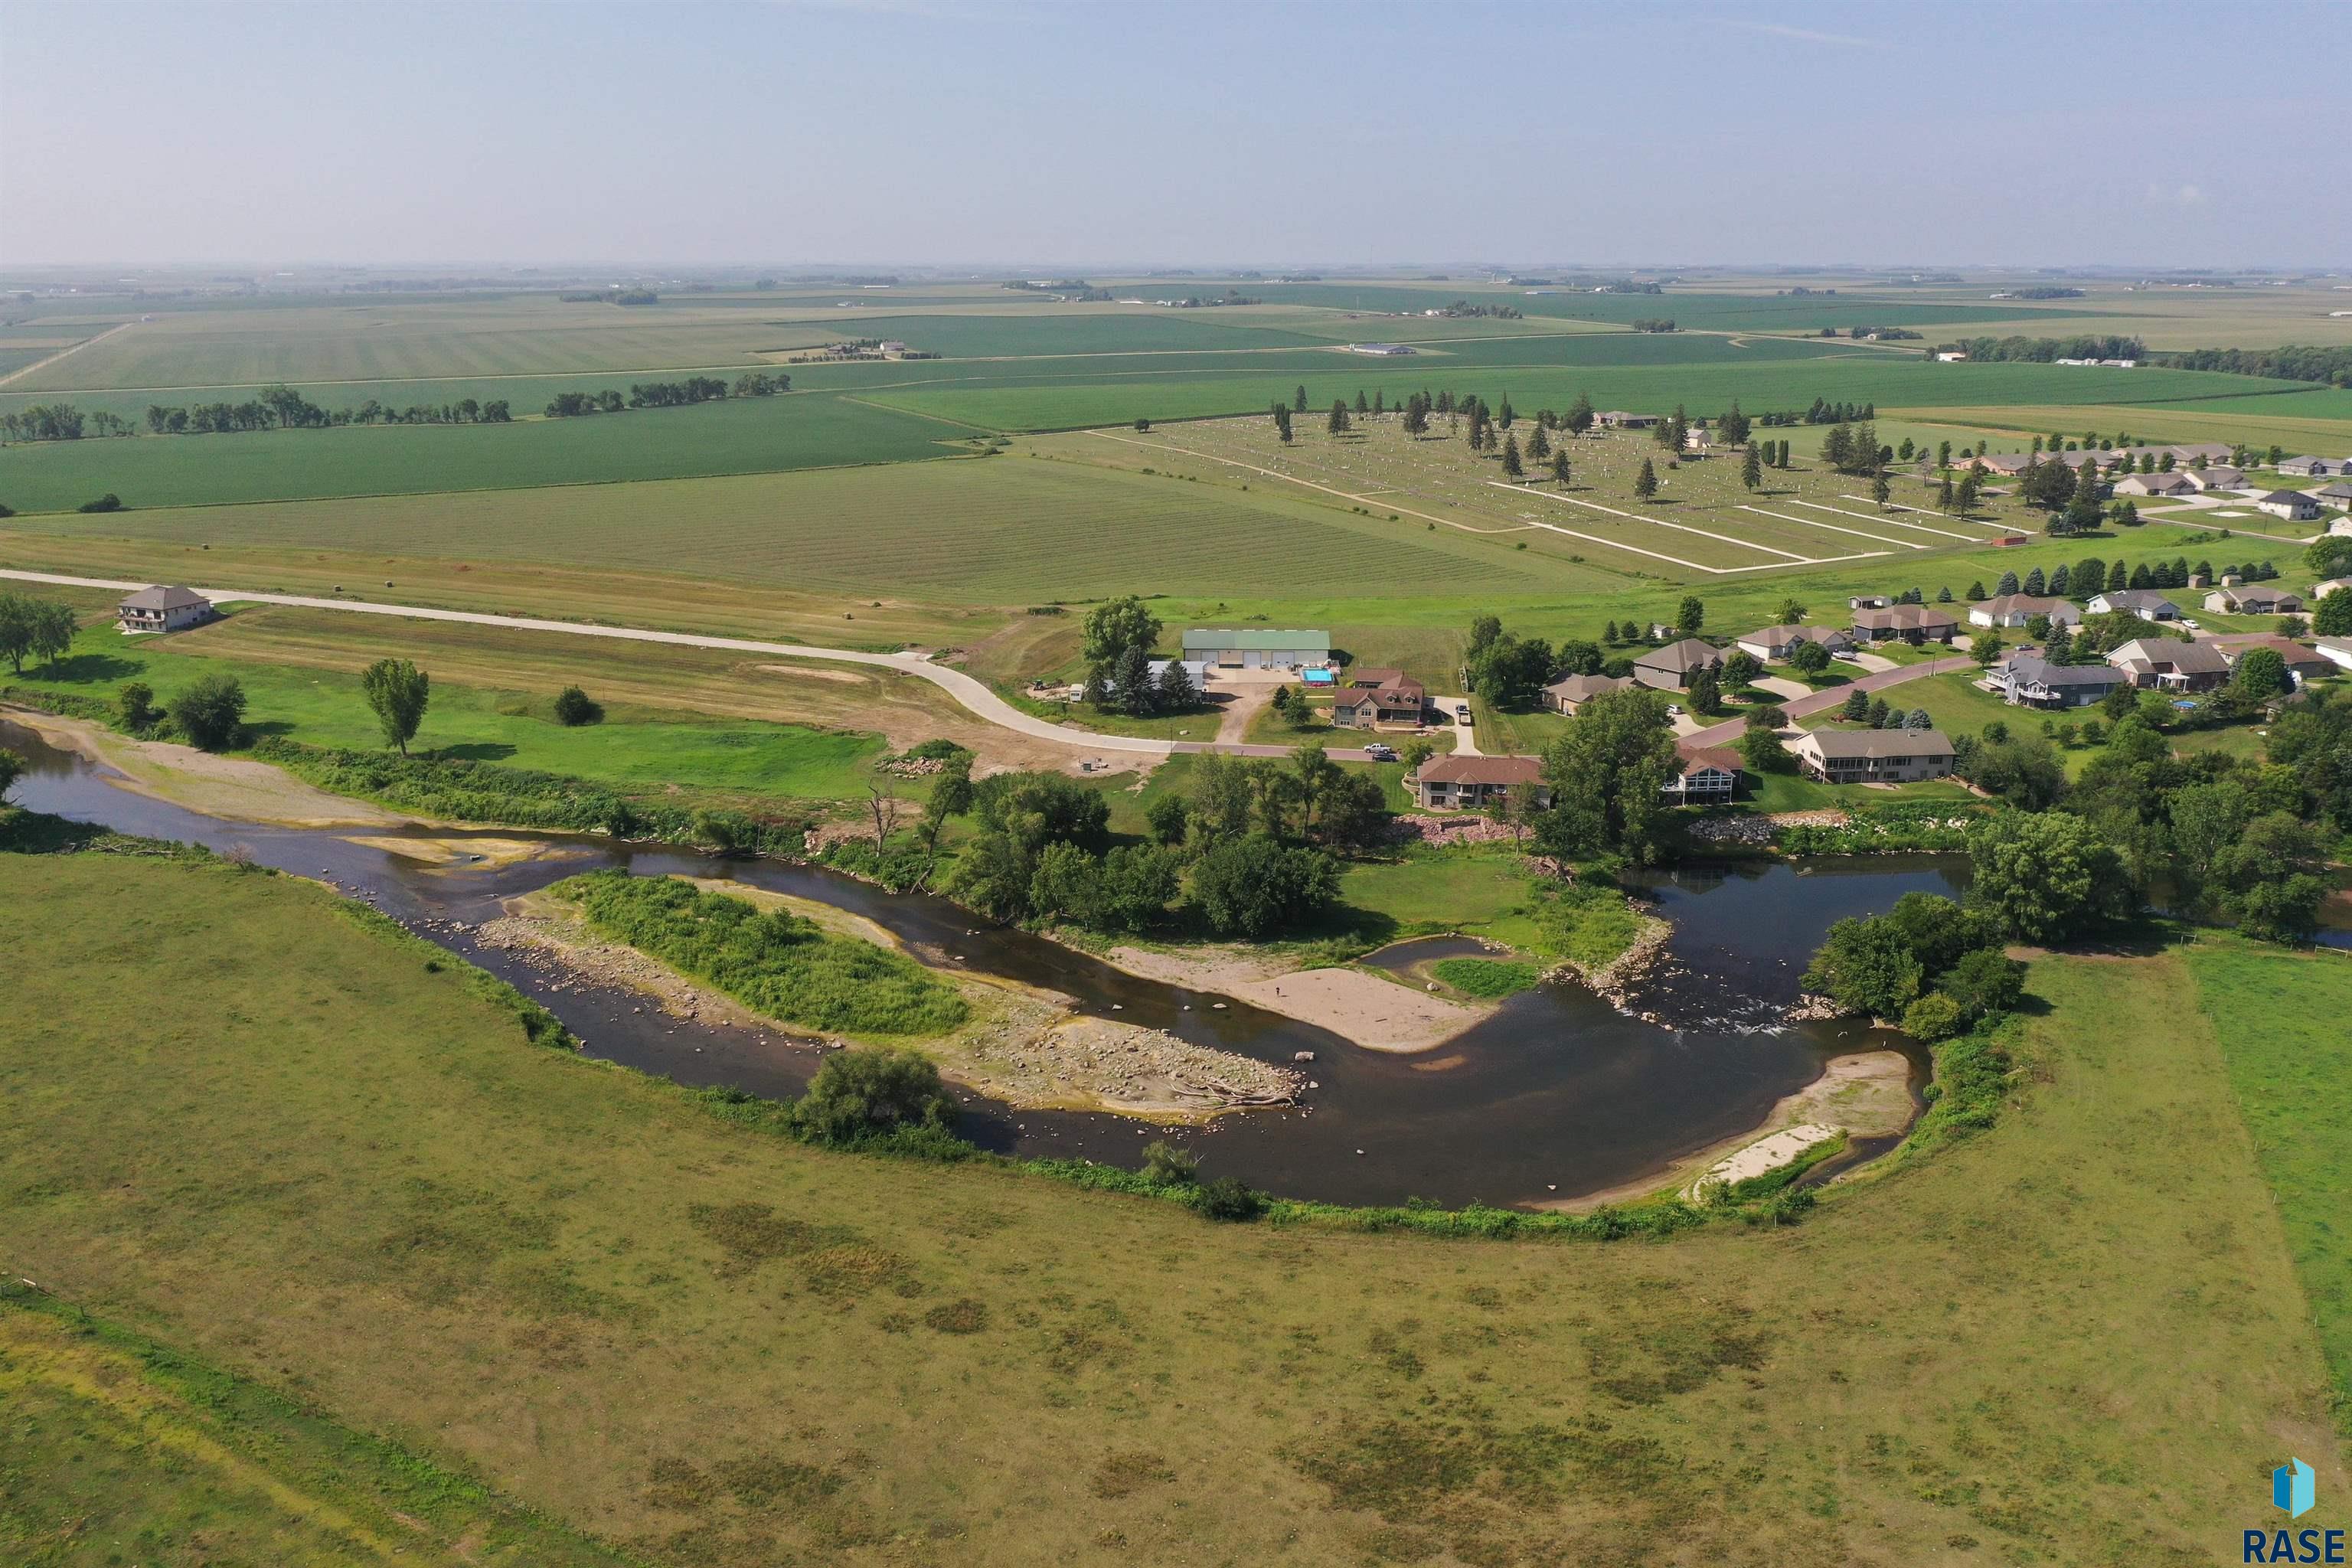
x=2294, y=1490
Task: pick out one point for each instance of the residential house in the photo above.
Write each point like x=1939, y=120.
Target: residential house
x=1670, y=668
x=2338, y=495
x=1251, y=648
x=1371, y=677
x=1774, y=644
x=1366, y=707
x=2219, y=477
x=2172, y=484
x=1903, y=623
x=2337, y=650
x=2019, y=609
x=1709, y=776
x=1873, y=756
x=2252, y=599
x=2213, y=452
x=1471, y=783
x=2032, y=681
x=2309, y=467
x=1618, y=419
x=2146, y=603
x=2301, y=662
x=1571, y=693
x=2291, y=505
x=2334, y=584
x=2168, y=664
x=1870, y=602
x=163, y=609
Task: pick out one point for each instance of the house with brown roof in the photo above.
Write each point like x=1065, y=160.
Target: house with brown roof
x=1670, y=668
x=2300, y=660
x=2168, y=664
x=2219, y=477
x=1571, y=693
x=2172, y=484
x=2019, y=609
x=1709, y=776
x=1909, y=623
x=1473, y=783
x=1365, y=708
x=163, y=609
x=2146, y=603
x=1873, y=756
x=1773, y=644
x=1369, y=677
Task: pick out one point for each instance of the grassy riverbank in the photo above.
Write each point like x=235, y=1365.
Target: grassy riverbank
x=353, y=1179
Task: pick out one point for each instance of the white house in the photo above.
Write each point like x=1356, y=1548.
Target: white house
x=2337, y=650
x=2292, y=505
x=2145, y=602
x=2019, y=609
x=2309, y=468
x=2334, y=584
x=1774, y=644
x=163, y=609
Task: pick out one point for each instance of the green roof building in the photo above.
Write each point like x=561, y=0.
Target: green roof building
x=1249, y=647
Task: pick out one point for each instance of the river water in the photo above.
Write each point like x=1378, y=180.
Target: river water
x=1557, y=1093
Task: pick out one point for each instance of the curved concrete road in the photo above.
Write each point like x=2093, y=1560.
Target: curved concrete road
x=972, y=693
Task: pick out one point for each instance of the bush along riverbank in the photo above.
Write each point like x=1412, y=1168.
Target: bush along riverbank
x=1895, y=827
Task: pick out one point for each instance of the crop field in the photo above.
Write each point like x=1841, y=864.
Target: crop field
x=1714, y=312
x=373, y=341
x=1002, y=530
x=740, y=436
x=489, y=1253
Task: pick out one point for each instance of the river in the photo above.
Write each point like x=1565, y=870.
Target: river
x=1555, y=1094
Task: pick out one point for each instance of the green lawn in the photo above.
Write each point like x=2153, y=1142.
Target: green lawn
x=335, y=1168
x=2279, y=1017
x=636, y=745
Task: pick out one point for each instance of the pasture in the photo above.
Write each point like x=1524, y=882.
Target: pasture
x=489, y=1253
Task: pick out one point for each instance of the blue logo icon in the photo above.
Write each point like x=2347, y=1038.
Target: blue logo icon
x=2293, y=1488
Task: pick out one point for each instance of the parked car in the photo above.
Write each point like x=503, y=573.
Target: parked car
x=1462, y=713
x=1381, y=751
x=1674, y=709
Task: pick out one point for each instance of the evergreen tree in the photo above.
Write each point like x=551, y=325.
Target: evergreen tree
x=1580, y=414
x=1944, y=496
x=1511, y=466
x=1339, y=421
x=1943, y=594
x=1538, y=444
x=1751, y=470
x=1731, y=426
x=1559, y=469
x=2008, y=584
x=1857, y=705
x=1379, y=403
x=1879, y=489
x=1976, y=592
x=1690, y=616
x=2061, y=581
x=1609, y=632
x=2139, y=578
x=1298, y=400
x=1503, y=416
x=2090, y=577
x=1361, y=406
x=1645, y=483
x=1784, y=456
x=2034, y=585
x=2118, y=578
x=1965, y=499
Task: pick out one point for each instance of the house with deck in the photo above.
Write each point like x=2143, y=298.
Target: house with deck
x=1709, y=776
x=1368, y=707
x=163, y=609
x=2168, y=664
x=1475, y=784
x=1873, y=756
x=2031, y=680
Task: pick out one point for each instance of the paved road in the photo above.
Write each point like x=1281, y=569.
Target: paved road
x=1723, y=734
x=972, y=693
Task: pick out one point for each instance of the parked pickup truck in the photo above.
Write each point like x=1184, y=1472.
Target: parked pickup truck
x=1381, y=751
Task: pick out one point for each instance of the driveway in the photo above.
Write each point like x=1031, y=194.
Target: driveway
x=1895, y=674
x=973, y=694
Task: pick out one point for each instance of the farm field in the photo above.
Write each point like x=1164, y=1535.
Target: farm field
x=488, y=1253
x=740, y=436
x=1005, y=531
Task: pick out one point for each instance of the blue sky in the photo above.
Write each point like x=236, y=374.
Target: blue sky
x=952, y=132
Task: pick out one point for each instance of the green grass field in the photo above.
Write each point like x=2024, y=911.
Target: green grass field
x=2293, y=1078
x=746, y=436
x=351, y=1180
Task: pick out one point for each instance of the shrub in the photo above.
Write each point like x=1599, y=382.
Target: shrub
x=574, y=707
x=1166, y=1165
x=1485, y=978
x=109, y=502
x=728, y=832
x=863, y=1094
x=1230, y=1199
x=1932, y=1017
x=211, y=711
x=138, y=708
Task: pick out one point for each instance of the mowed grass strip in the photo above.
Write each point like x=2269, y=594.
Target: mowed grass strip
x=755, y=435
x=2280, y=1017
x=1000, y=531
x=305, y=1166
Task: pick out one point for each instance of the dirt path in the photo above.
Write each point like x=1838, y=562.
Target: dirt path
x=1232, y=724
x=24, y=371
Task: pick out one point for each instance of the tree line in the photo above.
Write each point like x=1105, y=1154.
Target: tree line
x=2042, y=351
x=683, y=393
x=2331, y=366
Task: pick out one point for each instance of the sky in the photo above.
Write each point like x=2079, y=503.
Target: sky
x=1026, y=133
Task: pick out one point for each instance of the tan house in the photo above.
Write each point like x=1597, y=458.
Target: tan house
x=1873, y=756
x=1774, y=644
x=1906, y=623
x=2172, y=484
x=162, y=609
x=1366, y=708
x=1571, y=693
x=1670, y=668
x=1471, y=783
x=2019, y=609
x=1370, y=677
x=2291, y=505
x=2220, y=477
x=2168, y=664
x=2299, y=661
x=2252, y=599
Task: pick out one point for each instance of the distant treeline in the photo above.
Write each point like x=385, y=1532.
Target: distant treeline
x=1653, y=324
x=613, y=297
x=683, y=393
x=2042, y=351
x=1888, y=335
x=2049, y=293
x=1821, y=413
x=2333, y=367
x=283, y=408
